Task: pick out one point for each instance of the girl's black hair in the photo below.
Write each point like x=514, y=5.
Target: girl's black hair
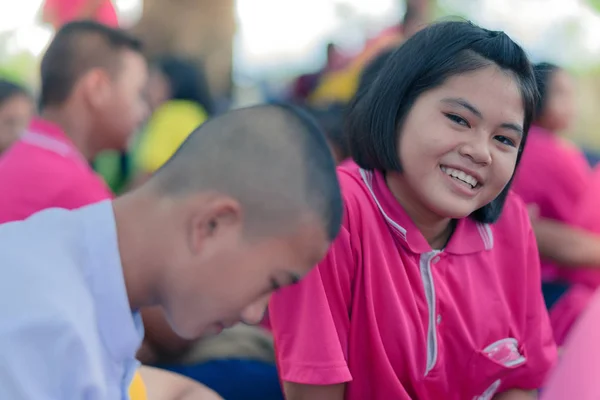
x=424, y=62
x=543, y=73
x=187, y=81
x=372, y=69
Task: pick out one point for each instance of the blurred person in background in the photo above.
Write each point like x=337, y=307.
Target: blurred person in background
x=180, y=101
x=582, y=270
x=305, y=84
x=554, y=173
x=339, y=85
x=113, y=165
x=16, y=110
x=331, y=119
x=92, y=98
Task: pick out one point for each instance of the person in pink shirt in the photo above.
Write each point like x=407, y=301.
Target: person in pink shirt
x=16, y=109
x=92, y=84
x=576, y=375
x=431, y=290
x=553, y=173
x=59, y=12
x=584, y=279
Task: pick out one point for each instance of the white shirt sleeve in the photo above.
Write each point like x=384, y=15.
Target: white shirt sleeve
x=43, y=358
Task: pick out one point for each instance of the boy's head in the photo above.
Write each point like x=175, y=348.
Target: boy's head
x=100, y=74
x=556, y=108
x=16, y=109
x=248, y=204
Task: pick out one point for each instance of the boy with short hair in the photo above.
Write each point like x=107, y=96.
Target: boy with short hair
x=248, y=204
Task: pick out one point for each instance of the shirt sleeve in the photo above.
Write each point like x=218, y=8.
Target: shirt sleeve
x=43, y=359
x=570, y=180
x=310, y=320
x=538, y=341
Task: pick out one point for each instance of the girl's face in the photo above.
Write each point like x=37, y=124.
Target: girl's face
x=15, y=114
x=559, y=110
x=459, y=145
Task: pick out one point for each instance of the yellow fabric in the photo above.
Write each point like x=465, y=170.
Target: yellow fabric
x=340, y=85
x=167, y=129
x=137, y=389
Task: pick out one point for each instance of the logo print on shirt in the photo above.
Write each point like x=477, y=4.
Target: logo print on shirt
x=505, y=352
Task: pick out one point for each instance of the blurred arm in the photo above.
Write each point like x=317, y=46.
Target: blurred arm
x=517, y=395
x=566, y=245
x=295, y=391
x=165, y=385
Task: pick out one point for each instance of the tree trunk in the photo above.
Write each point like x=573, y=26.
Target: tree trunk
x=201, y=30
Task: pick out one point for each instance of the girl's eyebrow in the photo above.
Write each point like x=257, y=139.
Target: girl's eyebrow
x=457, y=101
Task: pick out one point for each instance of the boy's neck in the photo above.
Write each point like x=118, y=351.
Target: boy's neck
x=74, y=127
x=140, y=262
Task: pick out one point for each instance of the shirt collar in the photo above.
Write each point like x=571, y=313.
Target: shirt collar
x=122, y=331
x=468, y=237
x=50, y=136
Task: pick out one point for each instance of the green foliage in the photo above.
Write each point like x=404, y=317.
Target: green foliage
x=595, y=4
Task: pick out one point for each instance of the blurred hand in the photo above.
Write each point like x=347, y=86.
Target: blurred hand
x=534, y=211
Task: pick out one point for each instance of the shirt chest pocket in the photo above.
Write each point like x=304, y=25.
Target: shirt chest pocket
x=488, y=367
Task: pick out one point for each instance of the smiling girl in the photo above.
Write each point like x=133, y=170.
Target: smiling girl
x=432, y=288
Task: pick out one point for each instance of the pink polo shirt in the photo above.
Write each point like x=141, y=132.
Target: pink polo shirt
x=553, y=174
x=584, y=280
x=397, y=320
x=576, y=376
x=44, y=170
x=68, y=10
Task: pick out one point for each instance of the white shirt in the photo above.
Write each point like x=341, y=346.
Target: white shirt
x=66, y=328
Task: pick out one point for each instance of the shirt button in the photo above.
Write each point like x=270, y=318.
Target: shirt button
x=435, y=259
x=439, y=319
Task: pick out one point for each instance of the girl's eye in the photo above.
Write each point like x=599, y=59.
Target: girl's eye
x=458, y=120
x=506, y=141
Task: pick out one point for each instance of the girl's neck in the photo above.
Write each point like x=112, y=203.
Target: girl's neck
x=435, y=229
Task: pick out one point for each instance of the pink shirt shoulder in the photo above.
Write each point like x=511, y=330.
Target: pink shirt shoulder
x=44, y=170
x=392, y=318
x=552, y=174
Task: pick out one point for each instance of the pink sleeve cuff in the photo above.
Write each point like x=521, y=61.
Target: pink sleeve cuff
x=312, y=375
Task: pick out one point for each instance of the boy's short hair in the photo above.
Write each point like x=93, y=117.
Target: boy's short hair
x=77, y=48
